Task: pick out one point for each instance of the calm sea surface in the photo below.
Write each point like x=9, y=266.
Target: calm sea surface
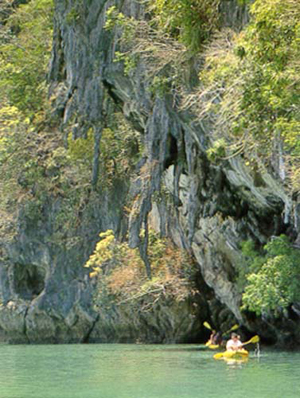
x=143, y=371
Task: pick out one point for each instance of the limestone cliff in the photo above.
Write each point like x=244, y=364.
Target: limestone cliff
x=204, y=207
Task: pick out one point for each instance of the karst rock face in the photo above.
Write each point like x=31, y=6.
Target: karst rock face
x=208, y=208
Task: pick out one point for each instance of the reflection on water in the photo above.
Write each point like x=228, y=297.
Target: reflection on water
x=138, y=371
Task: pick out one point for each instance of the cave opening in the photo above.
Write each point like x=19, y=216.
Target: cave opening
x=172, y=152
x=29, y=280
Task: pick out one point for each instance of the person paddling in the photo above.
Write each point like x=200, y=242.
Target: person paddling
x=212, y=337
x=215, y=338
x=234, y=343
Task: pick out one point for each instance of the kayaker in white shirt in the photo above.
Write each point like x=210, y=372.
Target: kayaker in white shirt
x=234, y=343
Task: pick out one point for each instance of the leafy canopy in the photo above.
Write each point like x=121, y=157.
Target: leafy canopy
x=191, y=21
x=276, y=284
x=251, y=83
x=25, y=55
x=119, y=270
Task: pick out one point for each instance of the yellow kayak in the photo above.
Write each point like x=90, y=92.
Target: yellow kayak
x=239, y=354
x=212, y=346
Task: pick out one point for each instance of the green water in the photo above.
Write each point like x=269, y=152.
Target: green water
x=139, y=371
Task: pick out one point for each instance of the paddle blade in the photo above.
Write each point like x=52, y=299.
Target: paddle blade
x=219, y=355
x=253, y=340
x=234, y=327
x=207, y=325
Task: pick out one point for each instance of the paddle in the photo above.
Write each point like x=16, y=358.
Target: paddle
x=234, y=327
x=207, y=325
x=254, y=339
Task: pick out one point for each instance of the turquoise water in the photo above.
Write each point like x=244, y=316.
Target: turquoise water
x=142, y=371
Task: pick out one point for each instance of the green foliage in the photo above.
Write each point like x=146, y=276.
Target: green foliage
x=217, y=151
x=19, y=166
x=128, y=26
x=191, y=21
x=10, y=117
x=120, y=149
x=106, y=249
x=81, y=149
x=257, y=82
x=130, y=61
x=73, y=16
x=160, y=85
x=143, y=41
x=116, y=19
x=35, y=164
x=271, y=92
x=273, y=282
x=253, y=261
x=24, y=58
x=120, y=272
